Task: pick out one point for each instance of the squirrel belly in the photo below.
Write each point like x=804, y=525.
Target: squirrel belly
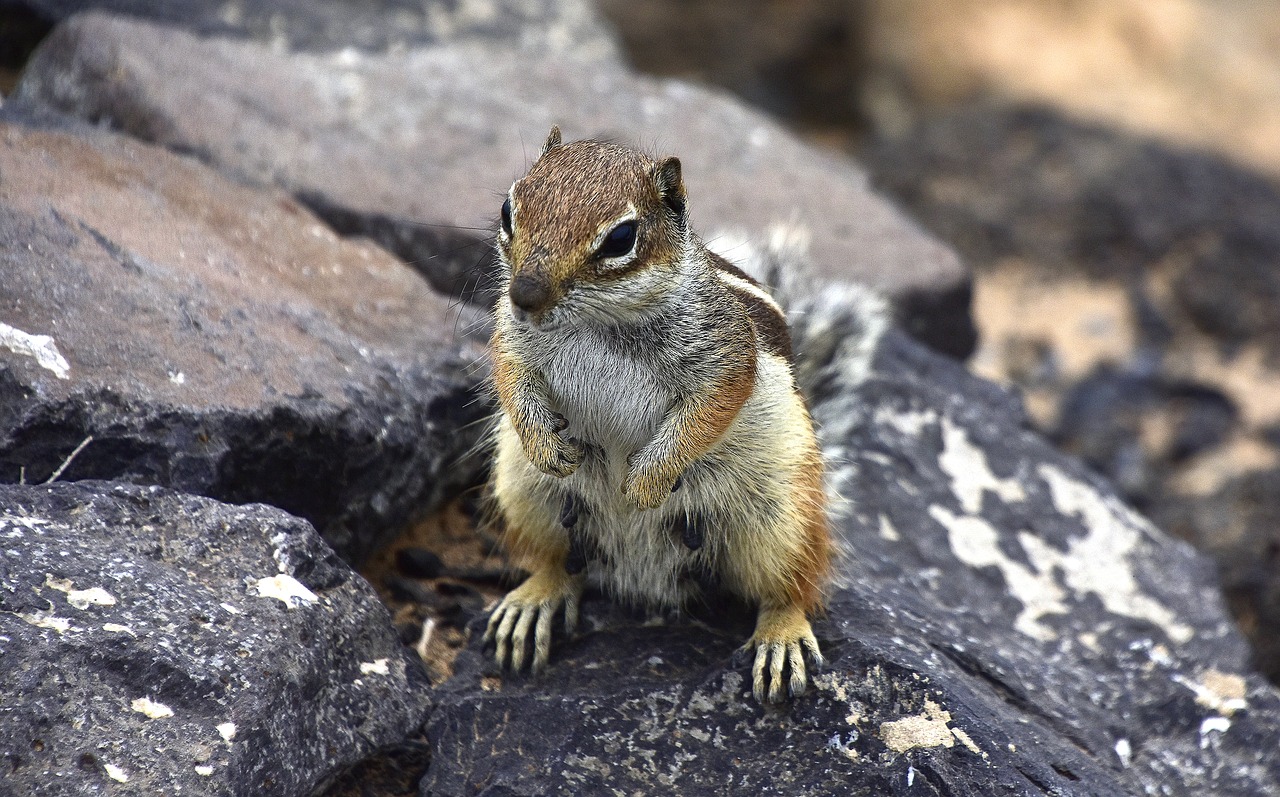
x=756, y=491
x=651, y=434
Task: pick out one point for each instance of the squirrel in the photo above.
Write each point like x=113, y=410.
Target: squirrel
x=650, y=424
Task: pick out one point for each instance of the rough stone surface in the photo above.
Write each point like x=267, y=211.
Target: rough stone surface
x=1001, y=624
x=153, y=642
x=218, y=339
x=416, y=147
x=1239, y=525
x=1130, y=289
x=377, y=25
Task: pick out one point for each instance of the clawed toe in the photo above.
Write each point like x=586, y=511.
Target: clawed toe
x=782, y=642
x=529, y=610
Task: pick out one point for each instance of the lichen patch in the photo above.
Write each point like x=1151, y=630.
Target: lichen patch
x=1099, y=562
x=39, y=347
x=929, y=729
x=1220, y=692
x=286, y=589
x=970, y=474
x=80, y=598
x=150, y=708
x=116, y=773
x=977, y=543
x=44, y=620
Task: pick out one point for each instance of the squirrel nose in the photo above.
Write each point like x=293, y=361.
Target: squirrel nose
x=530, y=293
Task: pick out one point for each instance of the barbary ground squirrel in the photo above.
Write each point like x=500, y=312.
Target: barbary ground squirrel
x=650, y=423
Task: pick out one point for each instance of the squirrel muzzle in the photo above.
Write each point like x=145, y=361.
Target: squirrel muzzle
x=531, y=293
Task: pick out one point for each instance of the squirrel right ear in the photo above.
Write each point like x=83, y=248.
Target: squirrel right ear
x=670, y=185
x=553, y=140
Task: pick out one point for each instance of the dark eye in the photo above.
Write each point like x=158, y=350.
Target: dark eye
x=619, y=241
x=506, y=216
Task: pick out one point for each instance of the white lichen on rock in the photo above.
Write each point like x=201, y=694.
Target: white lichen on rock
x=40, y=347
x=1098, y=563
x=977, y=543
x=970, y=474
x=227, y=731
x=80, y=598
x=152, y=709
x=285, y=589
x=116, y=773
x=929, y=729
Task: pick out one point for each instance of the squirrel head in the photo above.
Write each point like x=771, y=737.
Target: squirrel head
x=594, y=230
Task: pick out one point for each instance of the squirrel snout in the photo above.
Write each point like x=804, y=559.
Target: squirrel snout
x=530, y=293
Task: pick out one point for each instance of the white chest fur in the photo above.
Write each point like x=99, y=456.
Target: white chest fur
x=610, y=400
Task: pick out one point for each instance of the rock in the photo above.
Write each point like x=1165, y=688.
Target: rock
x=1000, y=623
x=1136, y=427
x=1239, y=525
x=414, y=148
x=218, y=339
x=1143, y=279
x=317, y=25
x=158, y=643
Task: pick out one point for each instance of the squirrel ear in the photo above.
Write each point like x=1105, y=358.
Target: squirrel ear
x=666, y=178
x=553, y=140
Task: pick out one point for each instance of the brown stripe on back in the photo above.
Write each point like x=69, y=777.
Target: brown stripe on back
x=770, y=325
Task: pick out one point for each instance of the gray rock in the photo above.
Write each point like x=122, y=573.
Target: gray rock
x=1190, y=242
x=1239, y=525
x=1001, y=624
x=415, y=148
x=219, y=339
x=153, y=642
x=316, y=25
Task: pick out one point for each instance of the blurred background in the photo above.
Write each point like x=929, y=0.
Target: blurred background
x=1109, y=169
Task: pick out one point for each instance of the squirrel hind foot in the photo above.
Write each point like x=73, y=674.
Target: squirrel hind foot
x=782, y=640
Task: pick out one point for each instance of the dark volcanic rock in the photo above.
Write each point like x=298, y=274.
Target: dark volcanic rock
x=1188, y=244
x=218, y=339
x=552, y=25
x=157, y=643
x=1239, y=525
x=1001, y=624
x=416, y=147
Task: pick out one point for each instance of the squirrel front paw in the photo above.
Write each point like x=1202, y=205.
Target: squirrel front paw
x=552, y=453
x=535, y=601
x=782, y=638
x=647, y=486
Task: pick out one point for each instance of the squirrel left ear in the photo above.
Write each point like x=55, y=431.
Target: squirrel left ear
x=553, y=140
x=670, y=185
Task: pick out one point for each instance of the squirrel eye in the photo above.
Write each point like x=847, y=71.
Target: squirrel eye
x=506, y=216
x=619, y=241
